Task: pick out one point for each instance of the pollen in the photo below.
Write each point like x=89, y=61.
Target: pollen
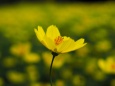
x=58, y=40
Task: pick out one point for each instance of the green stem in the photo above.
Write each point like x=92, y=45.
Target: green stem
x=54, y=54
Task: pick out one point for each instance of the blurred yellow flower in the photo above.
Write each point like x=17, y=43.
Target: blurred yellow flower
x=31, y=58
x=60, y=83
x=55, y=42
x=15, y=77
x=32, y=73
x=20, y=49
x=108, y=65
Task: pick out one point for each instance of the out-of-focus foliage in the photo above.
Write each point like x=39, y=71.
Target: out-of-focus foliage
x=25, y=62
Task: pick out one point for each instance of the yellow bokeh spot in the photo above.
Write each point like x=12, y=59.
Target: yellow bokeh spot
x=78, y=80
x=40, y=84
x=103, y=45
x=20, y=49
x=108, y=65
x=31, y=58
x=60, y=83
x=32, y=73
x=16, y=77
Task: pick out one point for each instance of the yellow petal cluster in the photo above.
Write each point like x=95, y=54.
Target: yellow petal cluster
x=57, y=43
x=108, y=65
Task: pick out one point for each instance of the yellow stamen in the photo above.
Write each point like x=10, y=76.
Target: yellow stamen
x=58, y=40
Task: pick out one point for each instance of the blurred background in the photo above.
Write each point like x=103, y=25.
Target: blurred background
x=24, y=61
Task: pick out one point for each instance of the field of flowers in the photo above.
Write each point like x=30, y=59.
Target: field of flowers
x=24, y=61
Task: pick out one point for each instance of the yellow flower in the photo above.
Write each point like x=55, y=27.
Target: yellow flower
x=108, y=65
x=55, y=42
x=20, y=49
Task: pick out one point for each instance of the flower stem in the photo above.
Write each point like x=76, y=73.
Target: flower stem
x=54, y=55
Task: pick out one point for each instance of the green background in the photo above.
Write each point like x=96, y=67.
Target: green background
x=24, y=61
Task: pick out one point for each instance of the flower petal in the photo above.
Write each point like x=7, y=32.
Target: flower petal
x=52, y=32
x=79, y=43
x=49, y=43
x=40, y=33
x=65, y=38
x=75, y=45
x=65, y=44
x=101, y=64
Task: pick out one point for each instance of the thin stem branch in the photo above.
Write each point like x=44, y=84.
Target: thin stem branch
x=54, y=54
x=51, y=70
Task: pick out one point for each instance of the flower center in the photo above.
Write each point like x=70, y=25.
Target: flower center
x=58, y=40
x=113, y=66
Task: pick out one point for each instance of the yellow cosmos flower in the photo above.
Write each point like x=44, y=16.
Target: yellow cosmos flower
x=55, y=42
x=108, y=65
